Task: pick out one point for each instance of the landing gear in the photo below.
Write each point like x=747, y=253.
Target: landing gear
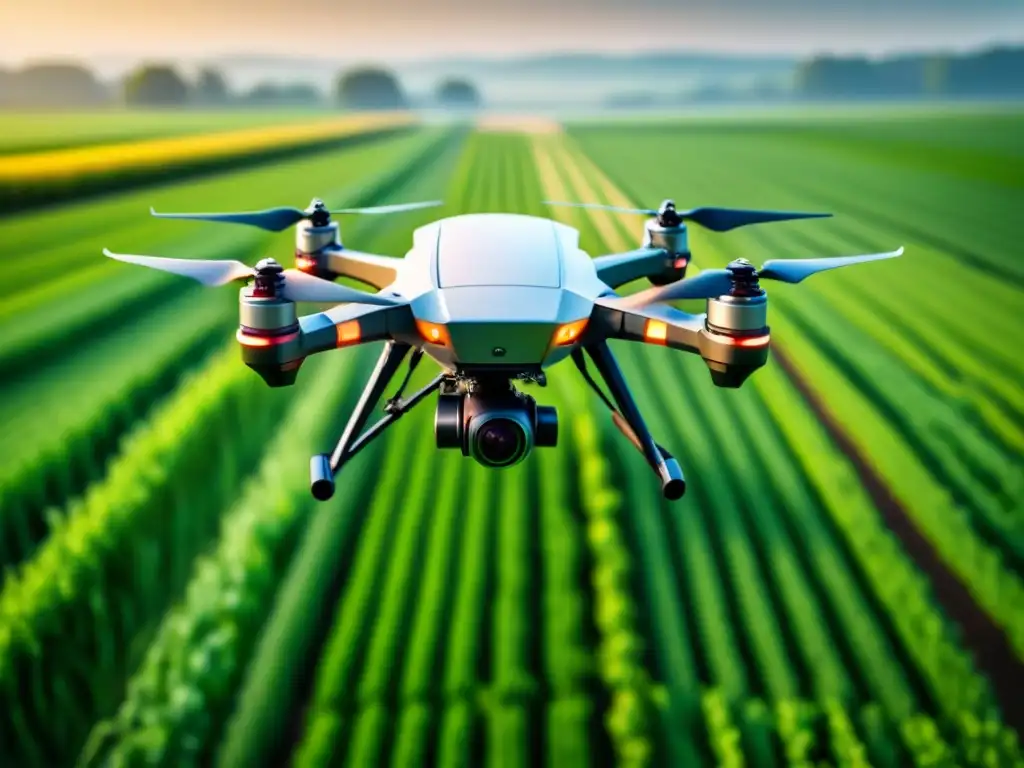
x=323, y=468
x=628, y=420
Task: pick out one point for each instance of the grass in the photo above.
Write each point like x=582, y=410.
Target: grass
x=175, y=597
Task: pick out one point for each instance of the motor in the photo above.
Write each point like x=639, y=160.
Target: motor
x=496, y=428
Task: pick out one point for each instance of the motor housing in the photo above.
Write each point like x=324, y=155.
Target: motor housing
x=734, y=343
x=674, y=240
x=268, y=333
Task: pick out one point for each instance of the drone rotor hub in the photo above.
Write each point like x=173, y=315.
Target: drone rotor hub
x=668, y=216
x=744, y=278
x=267, y=278
x=319, y=216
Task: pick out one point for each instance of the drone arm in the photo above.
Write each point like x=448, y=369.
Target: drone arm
x=348, y=325
x=617, y=269
x=730, y=358
x=653, y=324
x=370, y=268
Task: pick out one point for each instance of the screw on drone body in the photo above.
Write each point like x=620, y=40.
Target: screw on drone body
x=744, y=279
x=267, y=278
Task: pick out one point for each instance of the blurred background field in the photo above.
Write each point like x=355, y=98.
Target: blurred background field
x=842, y=585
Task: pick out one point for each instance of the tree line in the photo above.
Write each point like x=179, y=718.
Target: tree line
x=163, y=85
x=993, y=72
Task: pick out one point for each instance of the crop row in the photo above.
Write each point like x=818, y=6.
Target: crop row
x=957, y=477
x=256, y=673
x=145, y=359
x=937, y=349
x=966, y=421
x=484, y=662
x=348, y=709
x=34, y=489
x=764, y=637
x=874, y=397
x=180, y=697
x=26, y=131
x=55, y=273
x=71, y=615
x=29, y=179
x=157, y=527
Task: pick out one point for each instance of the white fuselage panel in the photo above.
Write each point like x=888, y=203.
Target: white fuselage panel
x=498, y=249
x=501, y=283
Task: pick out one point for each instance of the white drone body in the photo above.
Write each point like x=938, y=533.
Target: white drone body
x=494, y=299
x=502, y=284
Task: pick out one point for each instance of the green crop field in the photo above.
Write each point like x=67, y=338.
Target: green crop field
x=37, y=131
x=842, y=585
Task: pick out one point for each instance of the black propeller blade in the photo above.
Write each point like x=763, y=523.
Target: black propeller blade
x=279, y=219
x=715, y=219
x=296, y=286
x=712, y=283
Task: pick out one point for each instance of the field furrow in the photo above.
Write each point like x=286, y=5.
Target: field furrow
x=911, y=472
x=841, y=585
x=878, y=680
x=223, y=608
x=68, y=448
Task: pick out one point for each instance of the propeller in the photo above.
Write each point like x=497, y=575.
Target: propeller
x=740, y=278
x=279, y=219
x=271, y=279
x=715, y=219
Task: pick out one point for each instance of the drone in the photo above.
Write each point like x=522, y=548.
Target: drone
x=496, y=299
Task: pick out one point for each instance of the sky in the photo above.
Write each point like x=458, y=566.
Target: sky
x=408, y=29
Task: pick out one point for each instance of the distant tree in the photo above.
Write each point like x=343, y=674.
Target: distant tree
x=935, y=75
x=294, y=94
x=211, y=88
x=370, y=88
x=456, y=92
x=631, y=99
x=55, y=84
x=997, y=71
x=155, y=85
x=837, y=77
x=993, y=72
x=6, y=83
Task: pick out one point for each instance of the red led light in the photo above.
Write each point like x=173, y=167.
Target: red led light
x=746, y=341
x=251, y=340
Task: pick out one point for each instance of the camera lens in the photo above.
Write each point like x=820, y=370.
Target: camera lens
x=500, y=441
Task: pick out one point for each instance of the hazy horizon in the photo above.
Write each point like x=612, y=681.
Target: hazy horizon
x=105, y=30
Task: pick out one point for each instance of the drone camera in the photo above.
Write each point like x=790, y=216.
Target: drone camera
x=497, y=431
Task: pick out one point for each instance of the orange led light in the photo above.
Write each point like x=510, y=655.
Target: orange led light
x=250, y=340
x=303, y=262
x=656, y=332
x=433, y=333
x=348, y=333
x=680, y=262
x=570, y=332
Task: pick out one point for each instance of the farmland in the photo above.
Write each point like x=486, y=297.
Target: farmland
x=841, y=585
